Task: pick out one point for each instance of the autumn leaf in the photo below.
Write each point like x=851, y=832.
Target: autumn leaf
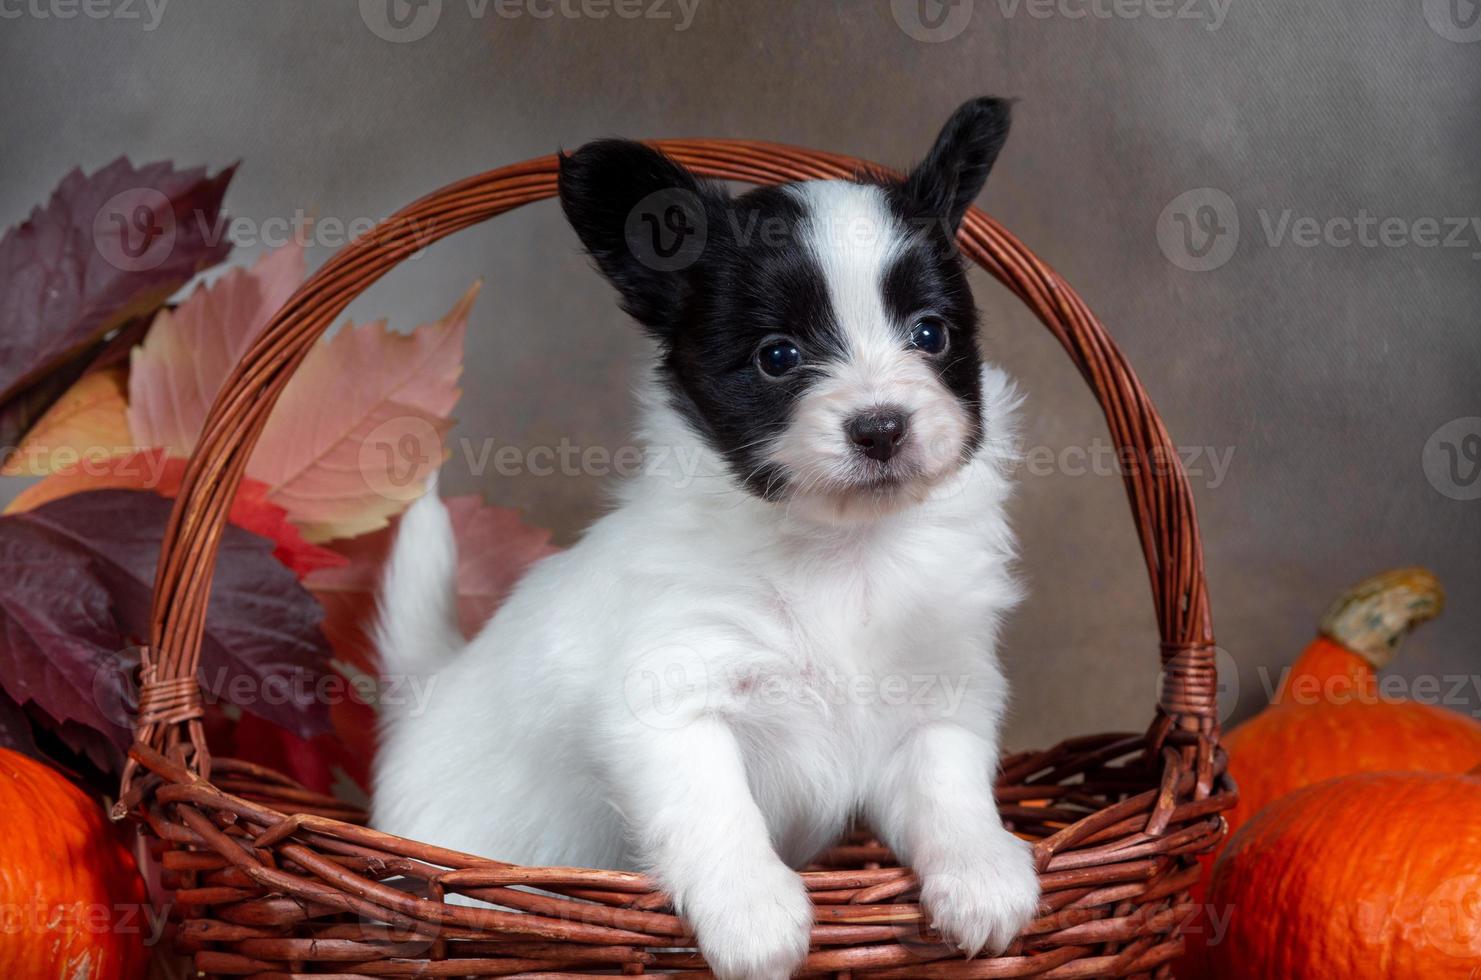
x=359, y=429
x=76, y=599
x=15, y=728
x=153, y=470
x=349, y=749
x=82, y=754
x=495, y=548
x=87, y=423
x=306, y=761
x=176, y=373
x=105, y=249
x=62, y=642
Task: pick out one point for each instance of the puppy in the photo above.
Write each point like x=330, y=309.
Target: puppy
x=788, y=622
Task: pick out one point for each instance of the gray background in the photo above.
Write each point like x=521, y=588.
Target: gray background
x=1324, y=369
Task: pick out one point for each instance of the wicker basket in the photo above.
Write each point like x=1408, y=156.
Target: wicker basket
x=272, y=880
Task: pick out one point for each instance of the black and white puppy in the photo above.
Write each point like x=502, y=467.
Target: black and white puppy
x=793, y=631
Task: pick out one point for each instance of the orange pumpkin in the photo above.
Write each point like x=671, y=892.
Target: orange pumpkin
x=73, y=902
x=1331, y=717
x=1373, y=876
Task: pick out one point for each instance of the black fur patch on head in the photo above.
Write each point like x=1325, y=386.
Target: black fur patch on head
x=928, y=277
x=756, y=282
x=713, y=278
x=951, y=176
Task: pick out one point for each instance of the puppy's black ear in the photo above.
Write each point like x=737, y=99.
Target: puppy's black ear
x=645, y=220
x=951, y=176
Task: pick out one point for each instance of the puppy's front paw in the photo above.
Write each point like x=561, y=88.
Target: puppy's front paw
x=756, y=929
x=982, y=895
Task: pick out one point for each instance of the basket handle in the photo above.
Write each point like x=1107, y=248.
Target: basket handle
x=1161, y=500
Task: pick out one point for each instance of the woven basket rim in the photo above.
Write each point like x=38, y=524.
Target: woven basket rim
x=1157, y=487
x=168, y=778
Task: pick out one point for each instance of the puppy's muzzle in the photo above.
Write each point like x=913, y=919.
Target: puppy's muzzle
x=879, y=433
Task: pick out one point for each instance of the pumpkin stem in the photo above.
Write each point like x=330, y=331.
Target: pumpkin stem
x=1373, y=617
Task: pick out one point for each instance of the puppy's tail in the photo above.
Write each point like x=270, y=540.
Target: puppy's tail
x=417, y=629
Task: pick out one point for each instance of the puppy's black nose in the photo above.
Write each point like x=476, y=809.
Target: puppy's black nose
x=877, y=433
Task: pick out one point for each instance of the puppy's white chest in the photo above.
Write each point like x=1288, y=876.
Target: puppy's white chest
x=859, y=662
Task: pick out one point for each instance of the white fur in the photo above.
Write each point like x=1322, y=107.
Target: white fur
x=708, y=686
x=854, y=238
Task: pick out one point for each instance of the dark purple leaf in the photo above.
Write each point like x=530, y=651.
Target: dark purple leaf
x=59, y=636
x=18, y=415
x=105, y=249
x=22, y=412
x=76, y=597
x=79, y=753
x=15, y=728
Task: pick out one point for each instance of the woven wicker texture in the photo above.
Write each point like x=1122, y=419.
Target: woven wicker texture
x=272, y=880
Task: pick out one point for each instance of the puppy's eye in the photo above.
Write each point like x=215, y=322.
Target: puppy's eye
x=928, y=336
x=776, y=357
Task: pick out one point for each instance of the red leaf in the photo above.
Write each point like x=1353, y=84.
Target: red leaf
x=76, y=595
x=306, y=760
x=495, y=548
x=313, y=761
x=105, y=249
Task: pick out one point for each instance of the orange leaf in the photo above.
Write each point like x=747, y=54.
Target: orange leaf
x=137, y=471
x=359, y=429
x=152, y=470
x=87, y=422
